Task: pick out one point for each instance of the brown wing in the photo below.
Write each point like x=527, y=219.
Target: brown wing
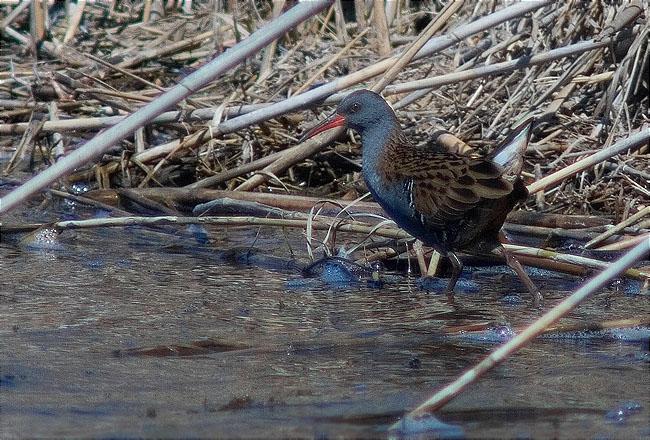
x=445, y=186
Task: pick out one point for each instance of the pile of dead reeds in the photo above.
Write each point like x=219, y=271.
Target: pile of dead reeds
x=582, y=71
x=102, y=61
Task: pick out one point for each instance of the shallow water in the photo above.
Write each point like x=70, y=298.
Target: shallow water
x=134, y=332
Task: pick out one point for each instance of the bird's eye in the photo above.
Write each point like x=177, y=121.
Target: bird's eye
x=355, y=107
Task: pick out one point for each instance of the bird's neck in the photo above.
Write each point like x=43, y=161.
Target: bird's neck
x=378, y=144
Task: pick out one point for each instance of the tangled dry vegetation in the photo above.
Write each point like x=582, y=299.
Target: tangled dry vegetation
x=85, y=75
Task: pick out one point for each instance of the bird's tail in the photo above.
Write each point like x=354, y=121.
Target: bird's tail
x=510, y=153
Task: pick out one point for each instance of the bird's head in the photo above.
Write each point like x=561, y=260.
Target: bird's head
x=361, y=111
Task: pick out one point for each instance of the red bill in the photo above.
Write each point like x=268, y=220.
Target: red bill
x=336, y=120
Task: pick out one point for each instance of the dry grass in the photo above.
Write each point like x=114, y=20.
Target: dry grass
x=115, y=62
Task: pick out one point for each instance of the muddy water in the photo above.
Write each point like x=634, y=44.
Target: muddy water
x=129, y=332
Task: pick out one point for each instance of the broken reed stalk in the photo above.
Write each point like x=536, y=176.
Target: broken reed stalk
x=185, y=88
x=74, y=21
x=305, y=150
x=382, y=36
x=96, y=123
x=636, y=140
x=624, y=243
x=269, y=52
x=192, y=197
x=619, y=227
x=572, y=259
x=450, y=391
x=246, y=168
x=498, y=68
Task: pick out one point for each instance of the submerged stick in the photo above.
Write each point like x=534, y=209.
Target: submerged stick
x=185, y=88
x=446, y=394
x=351, y=226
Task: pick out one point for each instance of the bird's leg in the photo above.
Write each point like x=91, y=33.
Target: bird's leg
x=455, y=274
x=515, y=265
x=523, y=276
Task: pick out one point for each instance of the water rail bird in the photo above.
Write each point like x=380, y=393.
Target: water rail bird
x=451, y=202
